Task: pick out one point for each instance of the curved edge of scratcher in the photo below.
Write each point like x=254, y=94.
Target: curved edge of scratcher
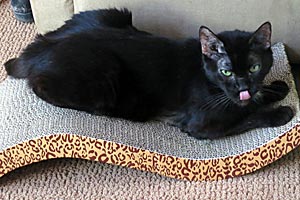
x=76, y=146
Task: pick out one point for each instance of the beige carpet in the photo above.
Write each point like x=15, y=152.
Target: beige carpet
x=79, y=179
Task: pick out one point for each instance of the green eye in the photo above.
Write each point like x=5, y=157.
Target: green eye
x=226, y=72
x=254, y=68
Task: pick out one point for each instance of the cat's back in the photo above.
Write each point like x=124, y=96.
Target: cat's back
x=134, y=48
x=93, y=20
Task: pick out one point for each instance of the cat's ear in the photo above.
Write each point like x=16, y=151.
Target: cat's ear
x=210, y=43
x=261, y=38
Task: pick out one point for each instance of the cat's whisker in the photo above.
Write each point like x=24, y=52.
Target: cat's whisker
x=223, y=105
x=214, y=100
x=227, y=105
x=256, y=99
x=220, y=102
x=227, y=101
x=211, y=100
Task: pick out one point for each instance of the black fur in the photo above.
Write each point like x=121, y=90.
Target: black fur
x=99, y=63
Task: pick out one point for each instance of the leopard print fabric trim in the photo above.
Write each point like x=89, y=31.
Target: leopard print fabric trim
x=75, y=146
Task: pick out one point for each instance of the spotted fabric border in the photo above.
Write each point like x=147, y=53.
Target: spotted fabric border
x=76, y=146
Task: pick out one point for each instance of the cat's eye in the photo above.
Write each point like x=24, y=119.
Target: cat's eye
x=254, y=68
x=213, y=47
x=226, y=72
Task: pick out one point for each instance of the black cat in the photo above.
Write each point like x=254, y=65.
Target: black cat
x=208, y=87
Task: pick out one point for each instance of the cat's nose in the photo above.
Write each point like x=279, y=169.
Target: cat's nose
x=243, y=88
x=242, y=84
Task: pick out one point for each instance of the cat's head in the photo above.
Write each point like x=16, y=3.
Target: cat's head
x=237, y=61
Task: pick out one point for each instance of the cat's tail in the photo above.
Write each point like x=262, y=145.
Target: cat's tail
x=30, y=58
x=16, y=69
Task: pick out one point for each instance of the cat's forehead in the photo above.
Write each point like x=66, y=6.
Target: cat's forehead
x=236, y=44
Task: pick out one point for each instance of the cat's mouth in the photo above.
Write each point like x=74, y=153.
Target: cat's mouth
x=244, y=95
x=243, y=98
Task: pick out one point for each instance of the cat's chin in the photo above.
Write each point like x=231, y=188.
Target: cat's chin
x=243, y=103
x=240, y=103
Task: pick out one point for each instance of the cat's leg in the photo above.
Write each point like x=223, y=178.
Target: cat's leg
x=66, y=94
x=263, y=119
x=274, y=92
x=260, y=119
x=93, y=88
x=46, y=88
x=206, y=134
x=199, y=126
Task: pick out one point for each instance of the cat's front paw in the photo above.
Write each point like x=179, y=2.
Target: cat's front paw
x=197, y=135
x=281, y=115
x=280, y=88
x=206, y=135
x=274, y=92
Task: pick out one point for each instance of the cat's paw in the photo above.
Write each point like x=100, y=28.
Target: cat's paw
x=281, y=115
x=198, y=135
x=274, y=92
x=206, y=135
x=281, y=85
x=281, y=88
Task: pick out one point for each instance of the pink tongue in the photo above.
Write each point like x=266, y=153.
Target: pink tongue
x=244, y=95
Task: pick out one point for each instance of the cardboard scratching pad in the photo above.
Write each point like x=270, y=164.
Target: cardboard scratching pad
x=32, y=130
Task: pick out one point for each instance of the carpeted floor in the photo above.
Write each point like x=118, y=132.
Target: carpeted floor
x=80, y=179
